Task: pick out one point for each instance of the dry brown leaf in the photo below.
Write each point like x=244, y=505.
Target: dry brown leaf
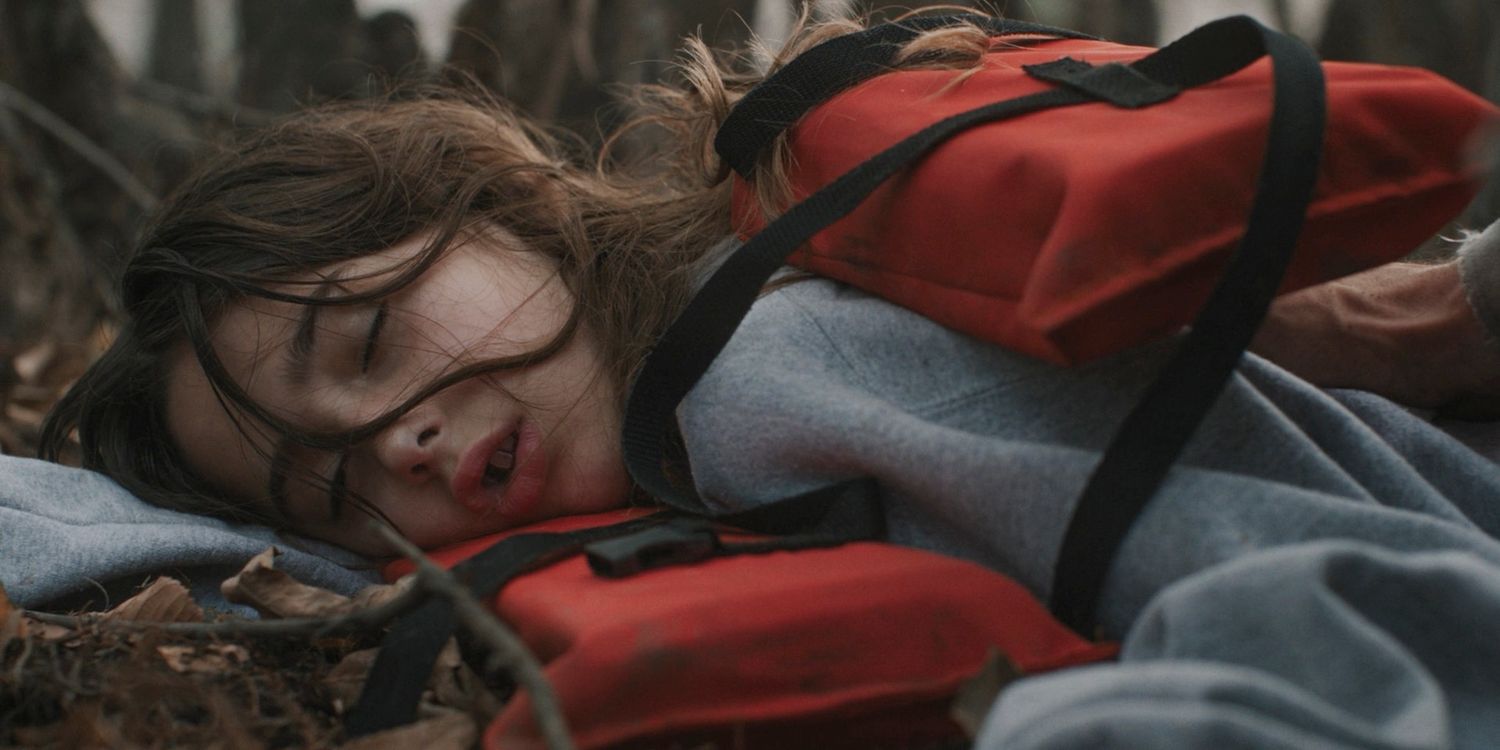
x=165, y=600
x=50, y=632
x=213, y=658
x=27, y=418
x=374, y=596
x=455, y=685
x=345, y=681
x=176, y=657
x=12, y=625
x=5, y=606
x=978, y=693
x=273, y=593
x=31, y=363
x=444, y=678
x=453, y=730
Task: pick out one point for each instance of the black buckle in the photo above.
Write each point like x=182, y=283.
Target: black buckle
x=654, y=547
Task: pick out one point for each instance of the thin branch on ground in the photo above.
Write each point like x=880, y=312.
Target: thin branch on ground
x=32, y=110
x=362, y=620
x=507, y=651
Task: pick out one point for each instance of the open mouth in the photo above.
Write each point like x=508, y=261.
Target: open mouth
x=497, y=470
x=504, y=475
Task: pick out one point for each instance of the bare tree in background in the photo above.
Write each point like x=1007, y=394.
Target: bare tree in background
x=559, y=60
x=59, y=218
x=1455, y=38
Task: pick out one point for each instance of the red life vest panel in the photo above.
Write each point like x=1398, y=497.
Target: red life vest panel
x=863, y=643
x=1058, y=235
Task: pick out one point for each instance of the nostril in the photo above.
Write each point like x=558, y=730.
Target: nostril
x=427, y=435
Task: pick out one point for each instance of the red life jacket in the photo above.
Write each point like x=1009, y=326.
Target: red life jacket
x=1072, y=198
x=1059, y=235
x=857, y=645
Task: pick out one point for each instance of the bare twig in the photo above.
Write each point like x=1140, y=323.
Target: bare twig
x=506, y=648
x=12, y=98
x=316, y=627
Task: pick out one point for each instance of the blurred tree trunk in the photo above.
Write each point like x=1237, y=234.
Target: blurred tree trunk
x=1124, y=21
x=175, y=55
x=296, y=51
x=556, y=60
x=393, y=46
x=1451, y=37
x=58, y=218
x=1455, y=38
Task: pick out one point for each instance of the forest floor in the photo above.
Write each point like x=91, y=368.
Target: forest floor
x=156, y=672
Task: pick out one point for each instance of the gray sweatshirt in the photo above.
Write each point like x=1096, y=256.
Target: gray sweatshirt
x=1319, y=570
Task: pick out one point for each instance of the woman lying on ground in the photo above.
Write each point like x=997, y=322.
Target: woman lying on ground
x=424, y=309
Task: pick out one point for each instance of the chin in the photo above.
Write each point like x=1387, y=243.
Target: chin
x=606, y=490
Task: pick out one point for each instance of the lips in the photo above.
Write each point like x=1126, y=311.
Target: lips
x=502, y=473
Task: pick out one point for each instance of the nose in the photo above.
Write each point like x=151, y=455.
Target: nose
x=407, y=448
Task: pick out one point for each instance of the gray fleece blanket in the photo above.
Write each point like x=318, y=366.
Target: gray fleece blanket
x=73, y=539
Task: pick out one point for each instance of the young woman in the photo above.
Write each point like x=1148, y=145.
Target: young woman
x=424, y=309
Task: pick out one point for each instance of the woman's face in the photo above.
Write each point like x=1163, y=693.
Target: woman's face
x=485, y=454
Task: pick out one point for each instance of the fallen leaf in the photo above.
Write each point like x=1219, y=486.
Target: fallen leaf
x=165, y=600
x=444, y=678
x=345, y=681
x=176, y=657
x=213, y=658
x=370, y=597
x=455, y=685
x=32, y=363
x=12, y=625
x=50, y=632
x=273, y=593
x=977, y=694
x=5, y=606
x=231, y=651
x=453, y=730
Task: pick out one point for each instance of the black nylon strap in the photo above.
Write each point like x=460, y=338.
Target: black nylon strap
x=409, y=650
x=824, y=517
x=1152, y=436
x=819, y=73
x=1156, y=430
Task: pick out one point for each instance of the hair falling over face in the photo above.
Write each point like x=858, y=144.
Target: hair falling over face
x=629, y=234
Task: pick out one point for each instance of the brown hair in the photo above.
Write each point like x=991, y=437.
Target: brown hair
x=630, y=238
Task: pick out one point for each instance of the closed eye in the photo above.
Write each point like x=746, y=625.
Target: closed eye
x=372, y=338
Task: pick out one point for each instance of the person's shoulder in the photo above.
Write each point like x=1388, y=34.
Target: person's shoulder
x=791, y=328
x=816, y=312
